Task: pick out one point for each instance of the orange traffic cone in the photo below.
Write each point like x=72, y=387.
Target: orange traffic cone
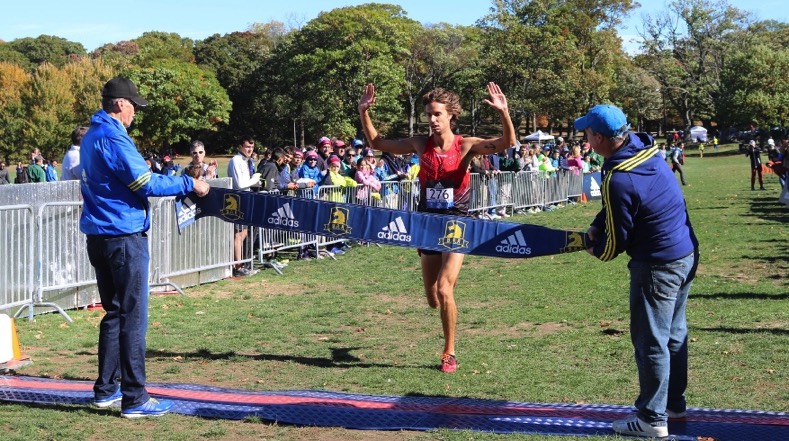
x=10, y=352
x=583, y=198
x=17, y=351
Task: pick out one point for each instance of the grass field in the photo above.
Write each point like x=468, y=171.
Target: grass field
x=550, y=329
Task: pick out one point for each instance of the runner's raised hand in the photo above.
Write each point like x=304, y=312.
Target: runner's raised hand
x=497, y=99
x=368, y=98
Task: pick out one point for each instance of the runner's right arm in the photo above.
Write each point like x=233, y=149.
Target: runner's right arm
x=398, y=147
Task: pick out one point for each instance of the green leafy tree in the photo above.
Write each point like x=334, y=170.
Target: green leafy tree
x=13, y=81
x=685, y=48
x=235, y=59
x=639, y=94
x=49, y=108
x=184, y=100
x=554, y=57
x=10, y=55
x=756, y=88
x=436, y=54
x=48, y=49
x=322, y=69
x=156, y=47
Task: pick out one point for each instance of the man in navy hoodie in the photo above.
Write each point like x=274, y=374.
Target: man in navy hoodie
x=644, y=215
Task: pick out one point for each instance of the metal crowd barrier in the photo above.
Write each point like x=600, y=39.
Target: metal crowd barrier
x=528, y=191
x=17, y=259
x=44, y=261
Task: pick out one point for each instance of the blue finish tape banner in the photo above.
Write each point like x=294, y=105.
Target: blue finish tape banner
x=379, y=225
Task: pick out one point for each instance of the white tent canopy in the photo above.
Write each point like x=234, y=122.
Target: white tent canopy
x=698, y=134
x=539, y=136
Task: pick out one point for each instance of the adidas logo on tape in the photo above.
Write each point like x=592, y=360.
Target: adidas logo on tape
x=514, y=244
x=283, y=217
x=395, y=231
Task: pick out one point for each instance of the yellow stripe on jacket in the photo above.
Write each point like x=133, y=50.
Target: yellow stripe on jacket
x=140, y=182
x=609, y=252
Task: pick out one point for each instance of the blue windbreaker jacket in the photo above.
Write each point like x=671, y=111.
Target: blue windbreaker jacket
x=116, y=182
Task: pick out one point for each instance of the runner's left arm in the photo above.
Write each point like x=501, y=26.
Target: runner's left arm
x=498, y=101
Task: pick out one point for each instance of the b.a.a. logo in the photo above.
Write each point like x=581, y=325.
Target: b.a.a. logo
x=454, y=235
x=231, y=210
x=338, y=221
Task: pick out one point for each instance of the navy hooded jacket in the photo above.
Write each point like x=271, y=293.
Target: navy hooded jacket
x=644, y=211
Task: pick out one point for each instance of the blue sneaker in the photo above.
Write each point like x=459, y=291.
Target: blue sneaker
x=115, y=398
x=151, y=408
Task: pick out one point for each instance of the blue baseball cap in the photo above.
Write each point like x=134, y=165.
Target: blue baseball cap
x=605, y=119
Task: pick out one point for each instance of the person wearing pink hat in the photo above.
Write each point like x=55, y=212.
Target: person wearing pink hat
x=310, y=169
x=324, y=150
x=444, y=185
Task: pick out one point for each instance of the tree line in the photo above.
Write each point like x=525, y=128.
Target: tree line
x=699, y=61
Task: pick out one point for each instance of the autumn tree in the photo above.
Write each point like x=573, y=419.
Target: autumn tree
x=13, y=80
x=119, y=56
x=49, y=111
x=87, y=77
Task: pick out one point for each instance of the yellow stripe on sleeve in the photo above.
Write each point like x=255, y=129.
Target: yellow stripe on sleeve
x=609, y=252
x=140, y=182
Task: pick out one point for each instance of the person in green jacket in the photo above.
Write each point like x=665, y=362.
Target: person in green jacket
x=36, y=170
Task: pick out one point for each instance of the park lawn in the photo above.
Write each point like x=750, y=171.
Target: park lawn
x=550, y=329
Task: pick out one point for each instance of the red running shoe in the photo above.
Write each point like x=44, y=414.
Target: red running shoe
x=449, y=363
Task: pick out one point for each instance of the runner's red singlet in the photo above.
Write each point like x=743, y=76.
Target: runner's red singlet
x=443, y=180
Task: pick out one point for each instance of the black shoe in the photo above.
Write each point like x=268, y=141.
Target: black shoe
x=762, y=188
x=244, y=272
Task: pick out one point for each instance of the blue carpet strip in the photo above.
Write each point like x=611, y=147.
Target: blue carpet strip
x=370, y=412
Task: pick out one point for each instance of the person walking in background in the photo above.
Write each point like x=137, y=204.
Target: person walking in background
x=644, y=215
x=678, y=160
x=241, y=169
x=72, y=171
x=444, y=186
x=754, y=153
x=3, y=174
x=116, y=183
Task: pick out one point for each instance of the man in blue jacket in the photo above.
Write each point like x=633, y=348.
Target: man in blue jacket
x=115, y=185
x=644, y=215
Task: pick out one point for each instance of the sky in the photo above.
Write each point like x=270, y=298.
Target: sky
x=93, y=26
